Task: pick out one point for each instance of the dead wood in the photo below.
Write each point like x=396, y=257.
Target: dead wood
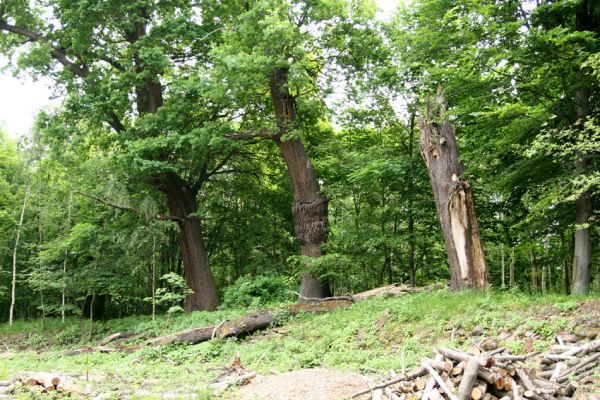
x=263, y=319
x=116, y=336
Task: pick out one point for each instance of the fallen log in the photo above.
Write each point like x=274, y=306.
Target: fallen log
x=116, y=336
x=250, y=323
x=244, y=325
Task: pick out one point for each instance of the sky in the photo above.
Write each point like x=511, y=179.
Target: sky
x=21, y=98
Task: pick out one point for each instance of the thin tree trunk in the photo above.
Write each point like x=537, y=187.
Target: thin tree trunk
x=198, y=276
x=64, y=271
x=92, y=314
x=411, y=218
x=14, y=266
x=502, y=264
x=153, y=277
x=533, y=262
x=511, y=273
x=565, y=271
x=453, y=199
x=310, y=206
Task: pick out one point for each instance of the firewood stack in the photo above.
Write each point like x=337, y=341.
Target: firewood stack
x=40, y=383
x=563, y=372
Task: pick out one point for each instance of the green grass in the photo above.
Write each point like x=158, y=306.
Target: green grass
x=343, y=339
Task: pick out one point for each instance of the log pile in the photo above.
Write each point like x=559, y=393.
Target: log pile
x=566, y=371
x=40, y=383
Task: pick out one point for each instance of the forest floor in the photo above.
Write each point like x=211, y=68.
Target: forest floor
x=308, y=356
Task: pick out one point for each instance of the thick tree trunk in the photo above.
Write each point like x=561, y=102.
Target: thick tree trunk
x=310, y=206
x=582, y=256
x=198, y=276
x=453, y=199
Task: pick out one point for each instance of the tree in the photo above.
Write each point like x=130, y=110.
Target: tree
x=285, y=46
x=169, y=129
x=453, y=198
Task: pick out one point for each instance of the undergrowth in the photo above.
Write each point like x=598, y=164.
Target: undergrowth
x=371, y=337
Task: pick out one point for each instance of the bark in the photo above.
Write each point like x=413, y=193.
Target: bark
x=582, y=257
x=14, y=265
x=565, y=271
x=511, y=273
x=198, y=275
x=453, y=199
x=64, y=272
x=310, y=206
x=153, y=277
x=411, y=219
x=534, y=270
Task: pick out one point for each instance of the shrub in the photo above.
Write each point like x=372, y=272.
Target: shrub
x=258, y=291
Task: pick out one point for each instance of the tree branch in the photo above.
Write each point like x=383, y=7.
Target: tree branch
x=263, y=133
x=62, y=58
x=129, y=208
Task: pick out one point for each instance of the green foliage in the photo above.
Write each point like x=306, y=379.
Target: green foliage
x=257, y=291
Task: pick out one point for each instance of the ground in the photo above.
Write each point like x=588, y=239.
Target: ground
x=307, y=355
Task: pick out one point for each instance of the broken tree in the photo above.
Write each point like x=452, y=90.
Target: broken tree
x=453, y=198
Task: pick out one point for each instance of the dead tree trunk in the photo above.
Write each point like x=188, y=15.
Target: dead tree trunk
x=453, y=199
x=310, y=206
x=198, y=276
x=14, y=266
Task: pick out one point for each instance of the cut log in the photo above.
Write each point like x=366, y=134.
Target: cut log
x=468, y=379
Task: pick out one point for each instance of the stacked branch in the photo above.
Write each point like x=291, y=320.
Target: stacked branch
x=457, y=375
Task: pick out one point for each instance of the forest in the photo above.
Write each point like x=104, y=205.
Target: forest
x=213, y=153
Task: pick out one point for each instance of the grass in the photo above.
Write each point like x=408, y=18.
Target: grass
x=360, y=338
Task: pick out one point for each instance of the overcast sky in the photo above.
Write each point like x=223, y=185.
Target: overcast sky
x=21, y=98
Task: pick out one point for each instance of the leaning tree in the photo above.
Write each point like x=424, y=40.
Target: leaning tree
x=284, y=49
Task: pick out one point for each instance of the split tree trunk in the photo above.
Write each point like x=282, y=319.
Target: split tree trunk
x=14, y=266
x=310, y=206
x=198, y=276
x=453, y=199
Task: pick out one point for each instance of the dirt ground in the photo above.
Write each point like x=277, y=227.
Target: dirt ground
x=305, y=384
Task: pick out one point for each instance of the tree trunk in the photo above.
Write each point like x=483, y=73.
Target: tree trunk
x=310, y=206
x=64, y=271
x=511, y=272
x=502, y=264
x=453, y=200
x=14, y=266
x=565, y=271
x=198, y=276
x=582, y=256
x=533, y=262
x=411, y=218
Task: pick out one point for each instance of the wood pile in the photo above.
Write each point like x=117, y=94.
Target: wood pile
x=566, y=371
x=40, y=383
x=235, y=374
